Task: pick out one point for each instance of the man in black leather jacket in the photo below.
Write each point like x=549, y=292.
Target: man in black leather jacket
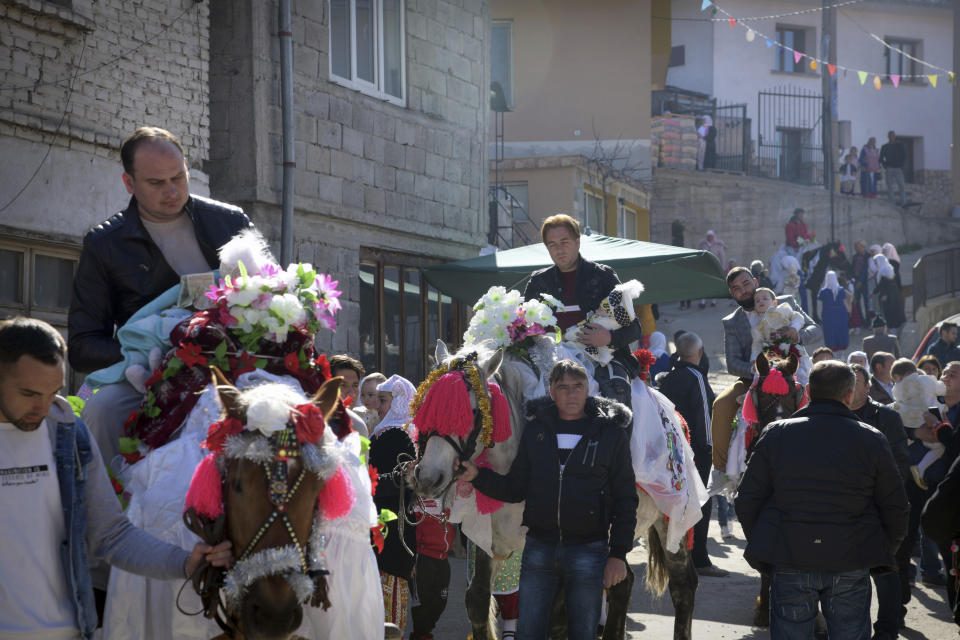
x=575, y=473
x=822, y=503
x=131, y=258
x=581, y=285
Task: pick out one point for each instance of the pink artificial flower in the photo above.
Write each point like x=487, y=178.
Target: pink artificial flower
x=262, y=301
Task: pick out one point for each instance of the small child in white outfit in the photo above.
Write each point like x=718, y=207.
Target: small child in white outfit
x=774, y=320
x=914, y=394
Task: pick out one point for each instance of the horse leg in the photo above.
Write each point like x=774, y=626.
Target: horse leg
x=761, y=611
x=681, y=575
x=477, y=597
x=618, y=603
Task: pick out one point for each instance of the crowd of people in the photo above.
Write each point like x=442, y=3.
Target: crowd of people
x=819, y=530
x=867, y=167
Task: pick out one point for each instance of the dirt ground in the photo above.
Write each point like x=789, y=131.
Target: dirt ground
x=724, y=606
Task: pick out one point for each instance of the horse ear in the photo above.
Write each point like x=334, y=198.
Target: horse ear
x=763, y=367
x=326, y=397
x=490, y=366
x=229, y=395
x=441, y=352
x=792, y=365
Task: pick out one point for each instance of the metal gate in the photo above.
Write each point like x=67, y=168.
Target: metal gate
x=733, y=137
x=789, y=135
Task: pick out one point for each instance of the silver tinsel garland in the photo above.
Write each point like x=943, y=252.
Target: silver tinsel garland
x=323, y=461
x=267, y=562
x=256, y=448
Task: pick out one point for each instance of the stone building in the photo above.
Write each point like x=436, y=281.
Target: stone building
x=390, y=142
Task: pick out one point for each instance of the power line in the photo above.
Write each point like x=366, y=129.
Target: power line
x=788, y=14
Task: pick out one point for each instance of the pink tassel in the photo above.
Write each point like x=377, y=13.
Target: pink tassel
x=485, y=504
x=337, y=497
x=749, y=410
x=205, y=494
x=500, y=409
x=775, y=384
x=446, y=409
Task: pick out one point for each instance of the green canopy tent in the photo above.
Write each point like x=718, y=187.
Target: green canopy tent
x=668, y=274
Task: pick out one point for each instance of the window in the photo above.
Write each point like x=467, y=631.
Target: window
x=593, y=212
x=678, y=56
x=501, y=57
x=517, y=196
x=795, y=38
x=402, y=316
x=898, y=63
x=367, y=49
x=627, y=222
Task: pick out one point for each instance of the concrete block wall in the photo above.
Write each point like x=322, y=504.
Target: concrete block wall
x=75, y=81
x=749, y=214
x=371, y=175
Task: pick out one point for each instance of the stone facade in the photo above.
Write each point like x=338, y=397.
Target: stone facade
x=371, y=175
x=934, y=189
x=74, y=82
x=749, y=214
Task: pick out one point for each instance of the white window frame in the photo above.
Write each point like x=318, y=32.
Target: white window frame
x=622, y=221
x=508, y=91
x=586, y=211
x=374, y=89
x=913, y=68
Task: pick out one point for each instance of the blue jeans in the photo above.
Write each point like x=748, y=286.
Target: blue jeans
x=544, y=568
x=723, y=511
x=844, y=599
x=929, y=557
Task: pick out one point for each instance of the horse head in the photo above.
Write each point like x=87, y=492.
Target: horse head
x=462, y=410
x=276, y=463
x=775, y=394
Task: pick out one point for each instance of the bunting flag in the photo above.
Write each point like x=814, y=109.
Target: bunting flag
x=813, y=65
x=933, y=80
x=733, y=22
x=832, y=68
x=796, y=57
x=895, y=79
x=863, y=76
x=706, y=3
x=769, y=43
x=876, y=82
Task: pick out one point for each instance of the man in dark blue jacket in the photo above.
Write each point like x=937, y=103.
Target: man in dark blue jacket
x=575, y=473
x=821, y=504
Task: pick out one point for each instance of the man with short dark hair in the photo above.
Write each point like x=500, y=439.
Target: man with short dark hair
x=893, y=157
x=880, y=340
x=59, y=507
x=352, y=371
x=130, y=259
x=821, y=353
x=945, y=348
x=738, y=344
x=581, y=285
x=822, y=503
x=686, y=386
x=881, y=380
x=575, y=473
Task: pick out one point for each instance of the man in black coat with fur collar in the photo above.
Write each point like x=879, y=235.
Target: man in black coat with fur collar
x=575, y=473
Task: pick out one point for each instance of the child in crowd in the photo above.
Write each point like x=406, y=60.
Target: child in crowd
x=431, y=575
x=615, y=312
x=369, y=405
x=914, y=394
x=848, y=175
x=791, y=277
x=769, y=333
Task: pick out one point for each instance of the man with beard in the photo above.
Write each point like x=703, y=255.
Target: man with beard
x=737, y=342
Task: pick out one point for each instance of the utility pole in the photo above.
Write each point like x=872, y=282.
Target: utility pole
x=828, y=53
x=955, y=88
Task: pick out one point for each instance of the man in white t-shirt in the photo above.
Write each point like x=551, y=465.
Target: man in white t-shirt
x=58, y=503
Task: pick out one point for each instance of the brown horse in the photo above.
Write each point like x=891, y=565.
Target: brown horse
x=774, y=395
x=270, y=489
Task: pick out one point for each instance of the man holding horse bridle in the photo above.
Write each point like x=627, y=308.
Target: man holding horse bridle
x=581, y=285
x=59, y=507
x=574, y=471
x=737, y=342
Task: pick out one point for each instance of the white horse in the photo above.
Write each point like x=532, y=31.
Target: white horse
x=435, y=478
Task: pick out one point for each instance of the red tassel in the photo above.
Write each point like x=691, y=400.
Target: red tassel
x=485, y=504
x=500, y=409
x=337, y=497
x=205, y=494
x=749, y=410
x=775, y=384
x=446, y=408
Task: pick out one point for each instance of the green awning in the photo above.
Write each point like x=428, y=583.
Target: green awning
x=669, y=274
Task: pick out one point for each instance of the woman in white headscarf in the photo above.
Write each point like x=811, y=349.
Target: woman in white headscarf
x=392, y=441
x=890, y=252
x=835, y=313
x=889, y=294
x=658, y=348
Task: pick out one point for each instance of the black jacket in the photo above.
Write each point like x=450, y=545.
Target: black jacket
x=595, y=493
x=944, y=352
x=121, y=269
x=594, y=282
x=821, y=492
x=893, y=155
x=385, y=450
x=681, y=387
x=888, y=422
x=941, y=515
